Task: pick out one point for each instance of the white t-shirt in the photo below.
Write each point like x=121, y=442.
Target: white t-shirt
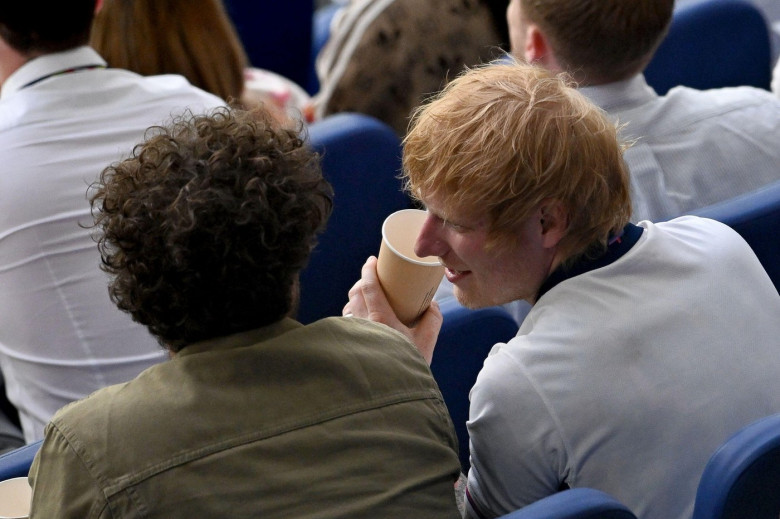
x=63, y=119
x=627, y=378
x=693, y=147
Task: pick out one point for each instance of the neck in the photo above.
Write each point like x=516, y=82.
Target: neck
x=11, y=60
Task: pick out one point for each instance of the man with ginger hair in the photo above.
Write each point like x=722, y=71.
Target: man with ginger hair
x=629, y=370
x=692, y=148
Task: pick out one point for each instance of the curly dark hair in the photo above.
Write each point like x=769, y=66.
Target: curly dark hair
x=207, y=225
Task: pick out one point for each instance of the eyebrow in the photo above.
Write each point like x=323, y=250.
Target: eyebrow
x=449, y=221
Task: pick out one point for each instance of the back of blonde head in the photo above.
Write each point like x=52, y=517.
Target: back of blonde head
x=500, y=139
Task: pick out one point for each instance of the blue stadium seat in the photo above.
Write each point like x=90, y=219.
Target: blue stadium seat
x=713, y=44
x=465, y=339
x=742, y=479
x=16, y=463
x=577, y=503
x=361, y=158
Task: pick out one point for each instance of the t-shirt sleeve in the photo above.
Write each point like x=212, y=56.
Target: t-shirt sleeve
x=62, y=484
x=517, y=453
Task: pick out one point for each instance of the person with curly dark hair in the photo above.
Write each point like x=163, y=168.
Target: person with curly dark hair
x=204, y=230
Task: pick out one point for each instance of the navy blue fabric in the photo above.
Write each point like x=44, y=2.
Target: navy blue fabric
x=616, y=249
x=276, y=34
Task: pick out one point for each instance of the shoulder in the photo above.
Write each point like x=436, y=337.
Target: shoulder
x=164, y=86
x=88, y=416
x=708, y=233
x=507, y=373
x=723, y=101
x=355, y=336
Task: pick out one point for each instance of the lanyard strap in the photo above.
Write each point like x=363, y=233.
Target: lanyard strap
x=61, y=72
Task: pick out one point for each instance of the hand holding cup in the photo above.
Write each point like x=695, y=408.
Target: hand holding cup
x=409, y=281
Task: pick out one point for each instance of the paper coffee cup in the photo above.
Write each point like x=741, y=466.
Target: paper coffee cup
x=15, y=497
x=408, y=280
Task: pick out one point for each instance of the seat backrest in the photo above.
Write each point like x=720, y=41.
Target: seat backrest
x=361, y=158
x=742, y=478
x=755, y=216
x=576, y=503
x=465, y=339
x=276, y=35
x=713, y=44
x=16, y=463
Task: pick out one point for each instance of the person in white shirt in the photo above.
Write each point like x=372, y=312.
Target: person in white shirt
x=647, y=344
x=64, y=117
x=690, y=148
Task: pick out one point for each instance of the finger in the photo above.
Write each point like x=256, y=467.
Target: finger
x=431, y=319
x=426, y=331
x=355, y=288
x=358, y=283
x=357, y=305
x=374, y=297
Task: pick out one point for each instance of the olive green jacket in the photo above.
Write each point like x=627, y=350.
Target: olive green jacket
x=340, y=418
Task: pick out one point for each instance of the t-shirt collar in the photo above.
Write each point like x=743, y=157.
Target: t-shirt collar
x=613, y=97
x=241, y=339
x=618, y=246
x=48, y=64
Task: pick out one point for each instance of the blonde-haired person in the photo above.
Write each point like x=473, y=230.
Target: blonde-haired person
x=627, y=373
x=196, y=40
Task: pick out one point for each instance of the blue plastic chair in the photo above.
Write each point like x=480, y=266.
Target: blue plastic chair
x=713, y=44
x=755, y=216
x=361, y=158
x=16, y=463
x=742, y=479
x=464, y=342
x=577, y=503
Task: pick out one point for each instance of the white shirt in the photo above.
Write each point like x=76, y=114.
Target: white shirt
x=693, y=147
x=61, y=338
x=776, y=79
x=626, y=378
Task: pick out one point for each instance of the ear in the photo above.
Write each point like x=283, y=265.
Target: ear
x=537, y=48
x=554, y=222
x=98, y=6
x=535, y=43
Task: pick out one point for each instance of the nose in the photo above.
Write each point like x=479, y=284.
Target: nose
x=429, y=240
